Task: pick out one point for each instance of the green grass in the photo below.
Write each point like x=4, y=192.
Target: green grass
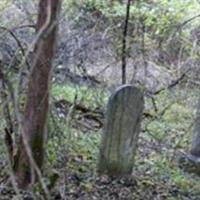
x=90, y=97
x=171, y=133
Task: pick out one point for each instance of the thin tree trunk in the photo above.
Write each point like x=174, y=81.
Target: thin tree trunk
x=36, y=110
x=124, y=41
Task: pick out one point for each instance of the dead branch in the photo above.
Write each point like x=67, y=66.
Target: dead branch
x=124, y=40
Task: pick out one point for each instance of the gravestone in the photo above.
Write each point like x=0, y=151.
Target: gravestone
x=122, y=126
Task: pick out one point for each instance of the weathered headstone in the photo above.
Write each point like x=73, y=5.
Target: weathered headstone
x=122, y=126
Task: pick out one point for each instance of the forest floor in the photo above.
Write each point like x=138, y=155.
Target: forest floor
x=152, y=179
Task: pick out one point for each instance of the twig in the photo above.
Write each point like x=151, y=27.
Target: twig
x=188, y=20
x=17, y=41
x=173, y=84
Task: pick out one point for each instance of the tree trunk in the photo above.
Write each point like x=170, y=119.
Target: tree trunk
x=36, y=110
x=195, y=150
x=190, y=162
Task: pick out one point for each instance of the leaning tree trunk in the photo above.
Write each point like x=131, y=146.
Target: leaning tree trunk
x=195, y=150
x=36, y=110
x=190, y=161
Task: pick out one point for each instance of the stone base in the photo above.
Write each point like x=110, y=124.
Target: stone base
x=189, y=163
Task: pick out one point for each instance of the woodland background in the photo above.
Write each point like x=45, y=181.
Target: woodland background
x=162, y=56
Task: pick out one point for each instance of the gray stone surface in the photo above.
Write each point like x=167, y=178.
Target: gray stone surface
x=122, y=126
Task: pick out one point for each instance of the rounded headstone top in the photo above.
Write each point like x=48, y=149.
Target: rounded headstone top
x=126, y=87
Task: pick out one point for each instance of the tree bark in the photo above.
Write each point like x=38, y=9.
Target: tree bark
x=36, y=109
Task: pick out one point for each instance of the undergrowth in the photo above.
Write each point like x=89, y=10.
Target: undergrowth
x=156, y=168
x=156, y=172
